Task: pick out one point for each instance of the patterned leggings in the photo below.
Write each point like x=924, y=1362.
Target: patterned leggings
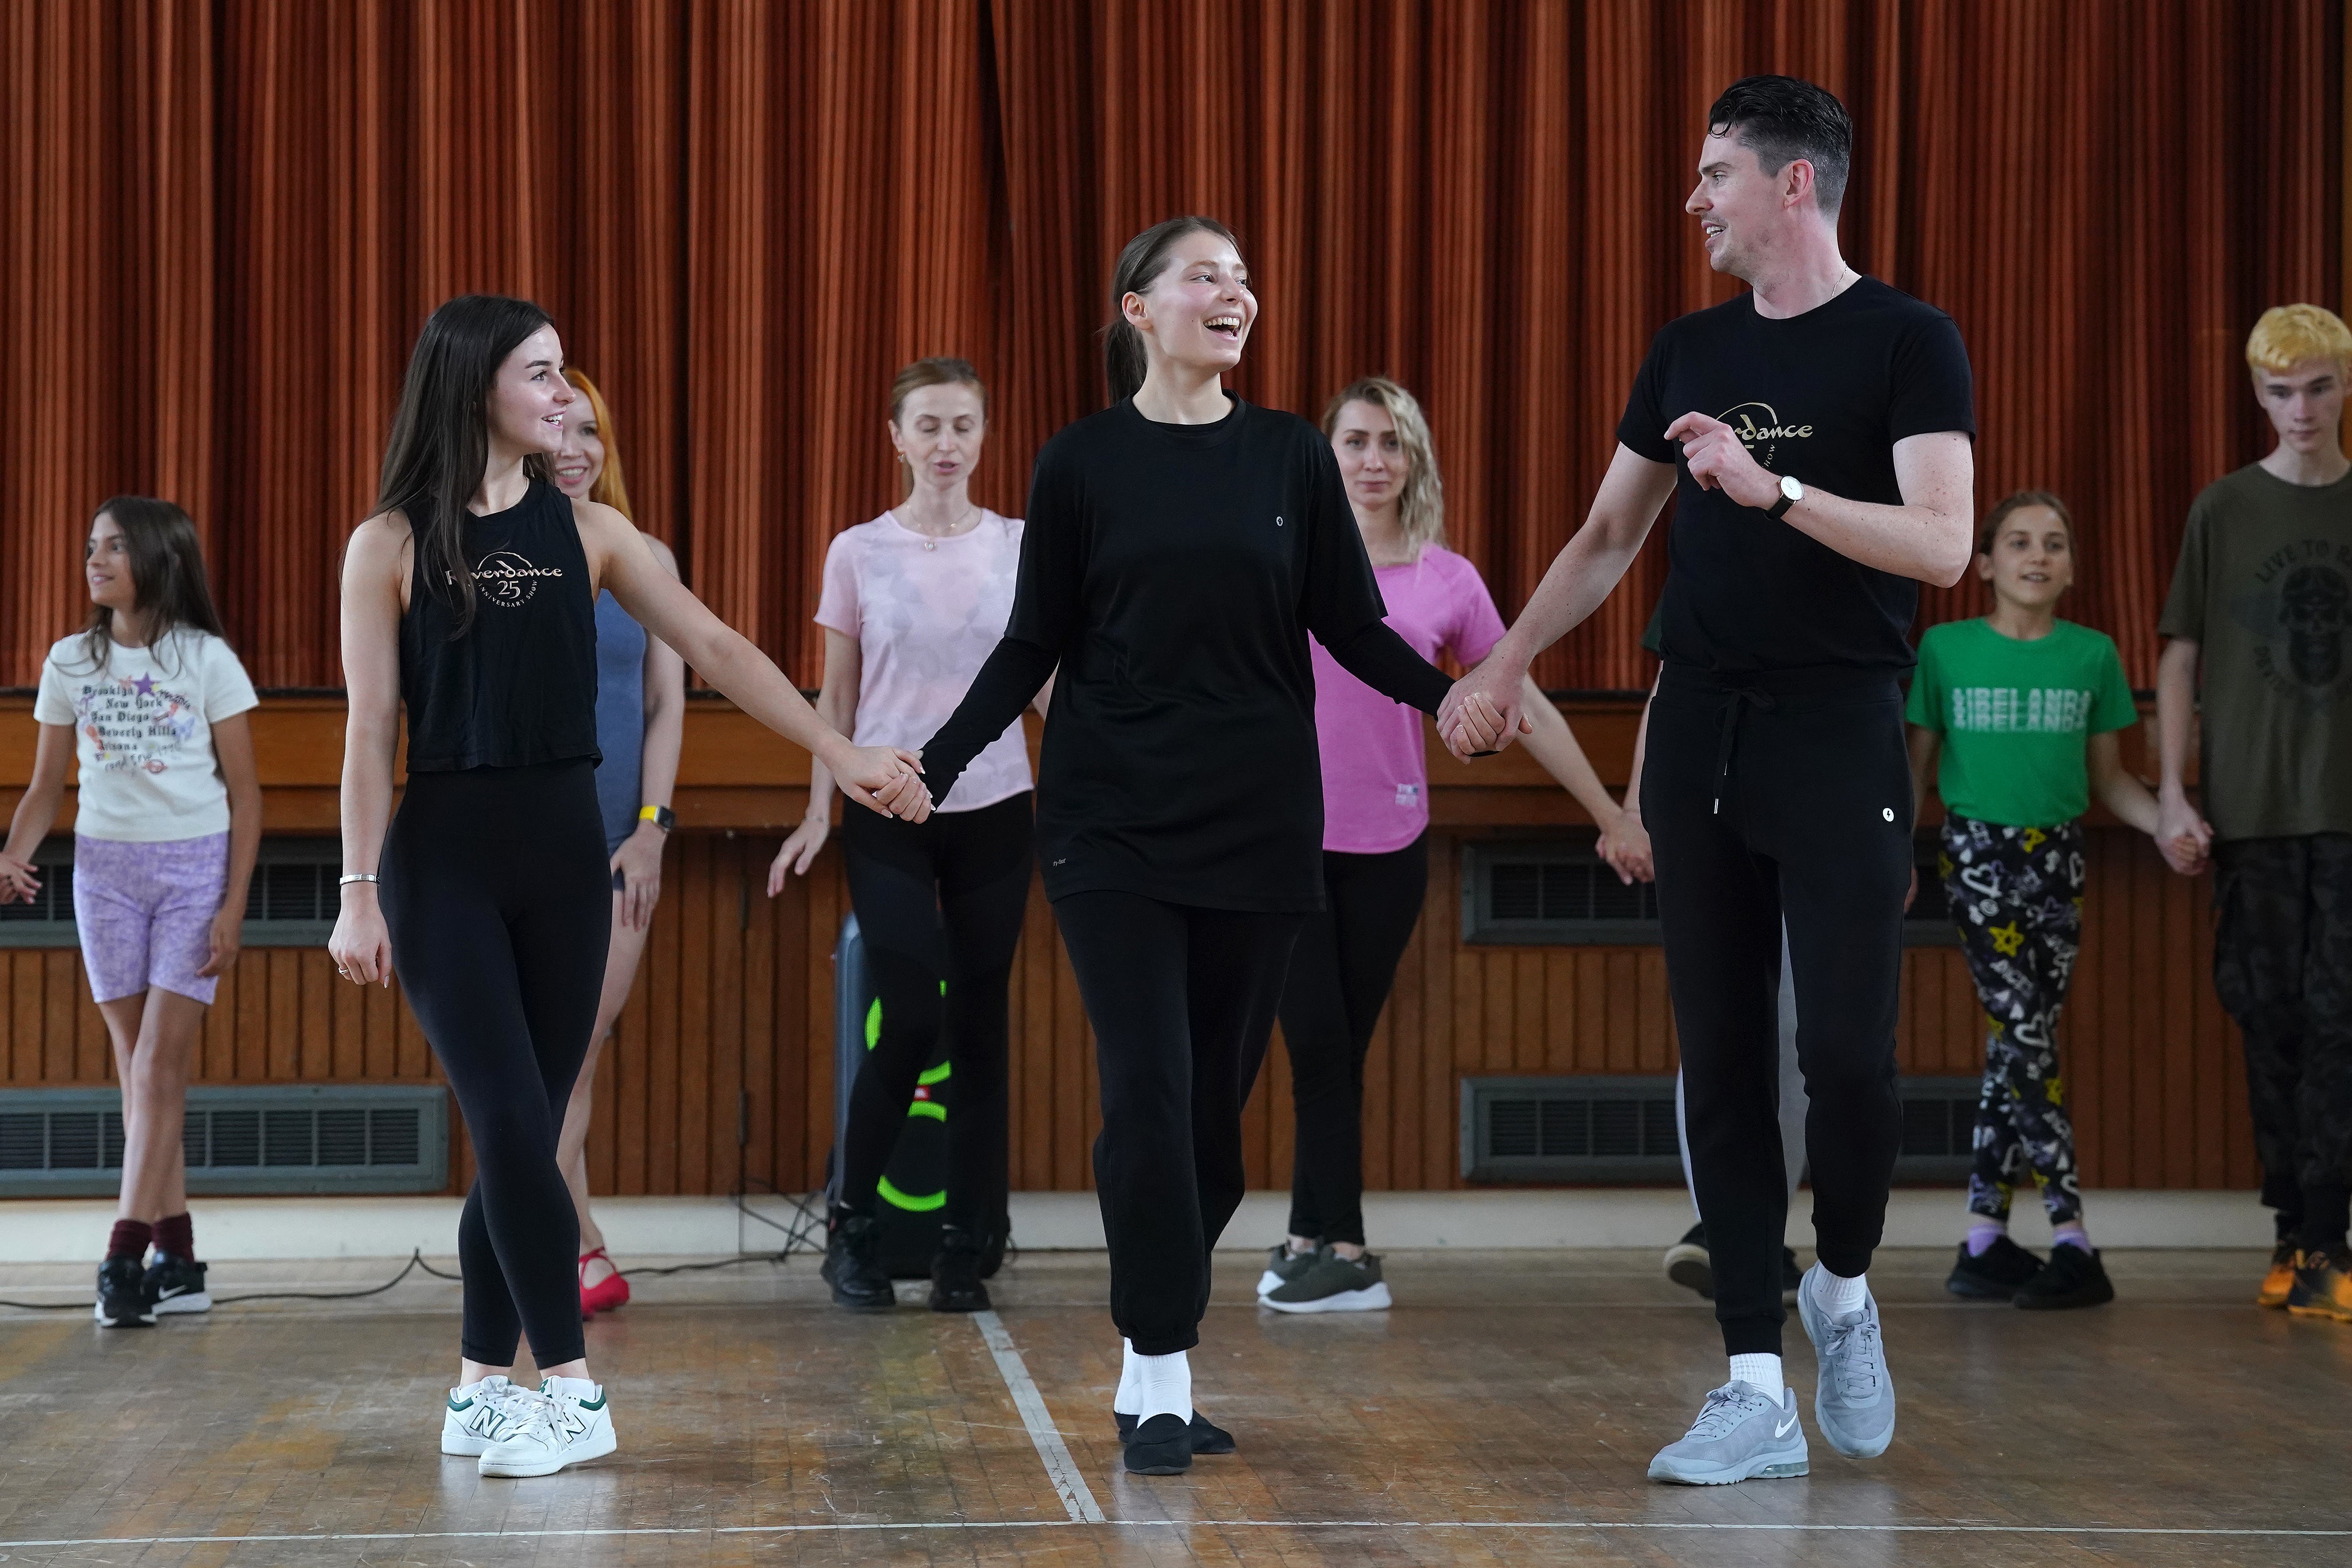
x=2016, y=893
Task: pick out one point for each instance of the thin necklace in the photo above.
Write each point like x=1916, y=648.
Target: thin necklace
x=932, y=540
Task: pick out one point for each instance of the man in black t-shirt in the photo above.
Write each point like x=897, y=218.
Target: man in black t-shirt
x=1817, y=433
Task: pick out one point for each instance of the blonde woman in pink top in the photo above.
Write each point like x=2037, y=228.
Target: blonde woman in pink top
x=913, y=603
x=1375, y=839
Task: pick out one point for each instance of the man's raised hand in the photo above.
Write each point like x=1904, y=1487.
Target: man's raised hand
x=1719, y=460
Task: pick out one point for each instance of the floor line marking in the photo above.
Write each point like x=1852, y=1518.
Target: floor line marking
x=1070, y=1484
x=1657, y=1525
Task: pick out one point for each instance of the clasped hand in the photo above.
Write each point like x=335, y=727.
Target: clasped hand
x=884, y=779
x=1482, y=713
x=1719, y=460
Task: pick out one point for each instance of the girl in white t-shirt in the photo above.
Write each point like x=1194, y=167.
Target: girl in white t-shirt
x=914, y=601
x=150, y=700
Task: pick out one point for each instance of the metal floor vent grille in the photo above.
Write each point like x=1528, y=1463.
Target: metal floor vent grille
x=279, y=1137
x=1620, y=1131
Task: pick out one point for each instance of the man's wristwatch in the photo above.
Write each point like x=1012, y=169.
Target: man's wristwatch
x=1791, y=492
x=661, y=816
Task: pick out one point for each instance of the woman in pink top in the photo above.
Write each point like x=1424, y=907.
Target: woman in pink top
x=1375, y=839
x=913, y=603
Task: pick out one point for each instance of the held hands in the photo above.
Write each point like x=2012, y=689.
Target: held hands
x=882, y=779
x=2183, y=837
x=638, y=860
x=799, y=852
x=17, y=880
x=1482, y=713
x=228, y=937
x=1719, y=460
x=1624, y=847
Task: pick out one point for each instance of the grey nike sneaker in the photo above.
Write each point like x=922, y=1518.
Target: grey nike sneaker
x=1855, y=1400
x=1740, y=1436
x=1282, y=1266
x=1331, y=1283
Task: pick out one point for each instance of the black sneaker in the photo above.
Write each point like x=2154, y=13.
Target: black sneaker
x=1687, y=1265
x=1791, y=1276
x=955, y=1273
x=1160, y=1446
x=177, y=1285
x=850, y=1266
x=122, y=1298
x=2072, y=1278
x=993, y=1245
x=1997, y=1275
x=1207, y=1438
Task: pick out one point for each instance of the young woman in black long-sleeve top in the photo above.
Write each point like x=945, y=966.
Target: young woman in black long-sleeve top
x=1180, y=547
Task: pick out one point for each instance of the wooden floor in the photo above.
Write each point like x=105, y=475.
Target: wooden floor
x=1502, y=1414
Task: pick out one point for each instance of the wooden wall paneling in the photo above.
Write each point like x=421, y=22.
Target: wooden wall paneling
x=755, y=1046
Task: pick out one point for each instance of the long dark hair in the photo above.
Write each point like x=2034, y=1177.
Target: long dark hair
x=1142, y=263
x=441, y=436
x=167, y=575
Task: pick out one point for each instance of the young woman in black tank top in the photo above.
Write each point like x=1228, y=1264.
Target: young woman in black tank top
x=470, y=596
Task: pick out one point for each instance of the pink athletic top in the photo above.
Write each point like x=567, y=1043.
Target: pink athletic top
x=1375, y=773
x=927, y=613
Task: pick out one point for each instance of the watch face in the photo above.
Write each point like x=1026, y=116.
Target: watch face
x=1791, y=488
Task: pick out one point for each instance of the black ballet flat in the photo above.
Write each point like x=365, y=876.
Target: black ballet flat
x=1207, y=1438
x=1160, y=1446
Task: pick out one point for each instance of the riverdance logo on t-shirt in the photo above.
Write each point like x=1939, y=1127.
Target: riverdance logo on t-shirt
x=1761, y=429
x=2014, y=710
x=505, y=579
x=2300, y=613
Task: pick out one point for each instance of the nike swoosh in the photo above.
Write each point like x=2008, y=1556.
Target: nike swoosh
x=1784, y=1431
x=167, y=1295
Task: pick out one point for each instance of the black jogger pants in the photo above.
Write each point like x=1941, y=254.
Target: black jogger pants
x=1341, y=973
x=499, y=900
x=1182, y=1001
x=938, y=903
x=1785, y=794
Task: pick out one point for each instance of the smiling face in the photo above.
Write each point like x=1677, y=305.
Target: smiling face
x=2031, y=560
x=106, y=566
x=580, y=463
x=2305, y=403
x=938, y=433
x=1741, y=210
x=1198, y=311
x=1373, y=463
x=529, y=397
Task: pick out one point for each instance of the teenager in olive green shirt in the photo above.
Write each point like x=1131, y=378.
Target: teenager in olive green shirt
x=2015, y=717
x=2259, y=620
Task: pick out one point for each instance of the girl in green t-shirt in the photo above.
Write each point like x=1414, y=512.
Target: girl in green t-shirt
x=2015, y=716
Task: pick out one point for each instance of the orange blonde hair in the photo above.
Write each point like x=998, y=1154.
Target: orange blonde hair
x=610, y=488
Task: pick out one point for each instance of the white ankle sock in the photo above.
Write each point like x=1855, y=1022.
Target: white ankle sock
x=1163, y=1386
x=1130, y=1391
x=1837, y=1295
x=1760, y=1371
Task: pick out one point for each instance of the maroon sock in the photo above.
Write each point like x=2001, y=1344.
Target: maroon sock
x=130, y=1238
x=176, y=1233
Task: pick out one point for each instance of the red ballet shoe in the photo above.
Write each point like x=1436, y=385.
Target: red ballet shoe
x=607, y=1293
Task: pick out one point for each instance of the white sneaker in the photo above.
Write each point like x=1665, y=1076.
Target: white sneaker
x=479, y=1414
x=567, y=1422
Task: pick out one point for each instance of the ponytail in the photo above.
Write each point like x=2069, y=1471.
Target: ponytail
x=1139, y=266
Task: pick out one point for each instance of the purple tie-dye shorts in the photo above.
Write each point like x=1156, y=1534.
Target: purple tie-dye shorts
x=145, y=911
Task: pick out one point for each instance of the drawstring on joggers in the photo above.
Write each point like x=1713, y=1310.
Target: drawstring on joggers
x=1735, y=698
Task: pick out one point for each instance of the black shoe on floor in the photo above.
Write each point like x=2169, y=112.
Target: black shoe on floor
x=1687, y=1264
x=2072, y=1278
x=993, y=1245
x=851, y=1268
x=177, y=1285
x=1997, y=1275
x=1791, y=1276
x=122, y=1298
x=1206, y=1437
x=1160, y=1446
x=956, y=1271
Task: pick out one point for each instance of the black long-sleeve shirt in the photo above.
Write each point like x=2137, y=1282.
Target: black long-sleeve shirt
x=1174, y=572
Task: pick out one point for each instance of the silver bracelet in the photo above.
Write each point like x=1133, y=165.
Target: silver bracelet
x=348, y=878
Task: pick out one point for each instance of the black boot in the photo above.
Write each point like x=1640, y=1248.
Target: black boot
x=956, y=1271
x=850, y=1266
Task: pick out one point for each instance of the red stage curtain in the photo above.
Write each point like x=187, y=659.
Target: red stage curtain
x=225, y=222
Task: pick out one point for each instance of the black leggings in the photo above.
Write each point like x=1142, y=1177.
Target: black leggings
x=1182, y=1001
x=938, y=901
x=1813, y=822
x=495, y=893
x=1339, y=977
